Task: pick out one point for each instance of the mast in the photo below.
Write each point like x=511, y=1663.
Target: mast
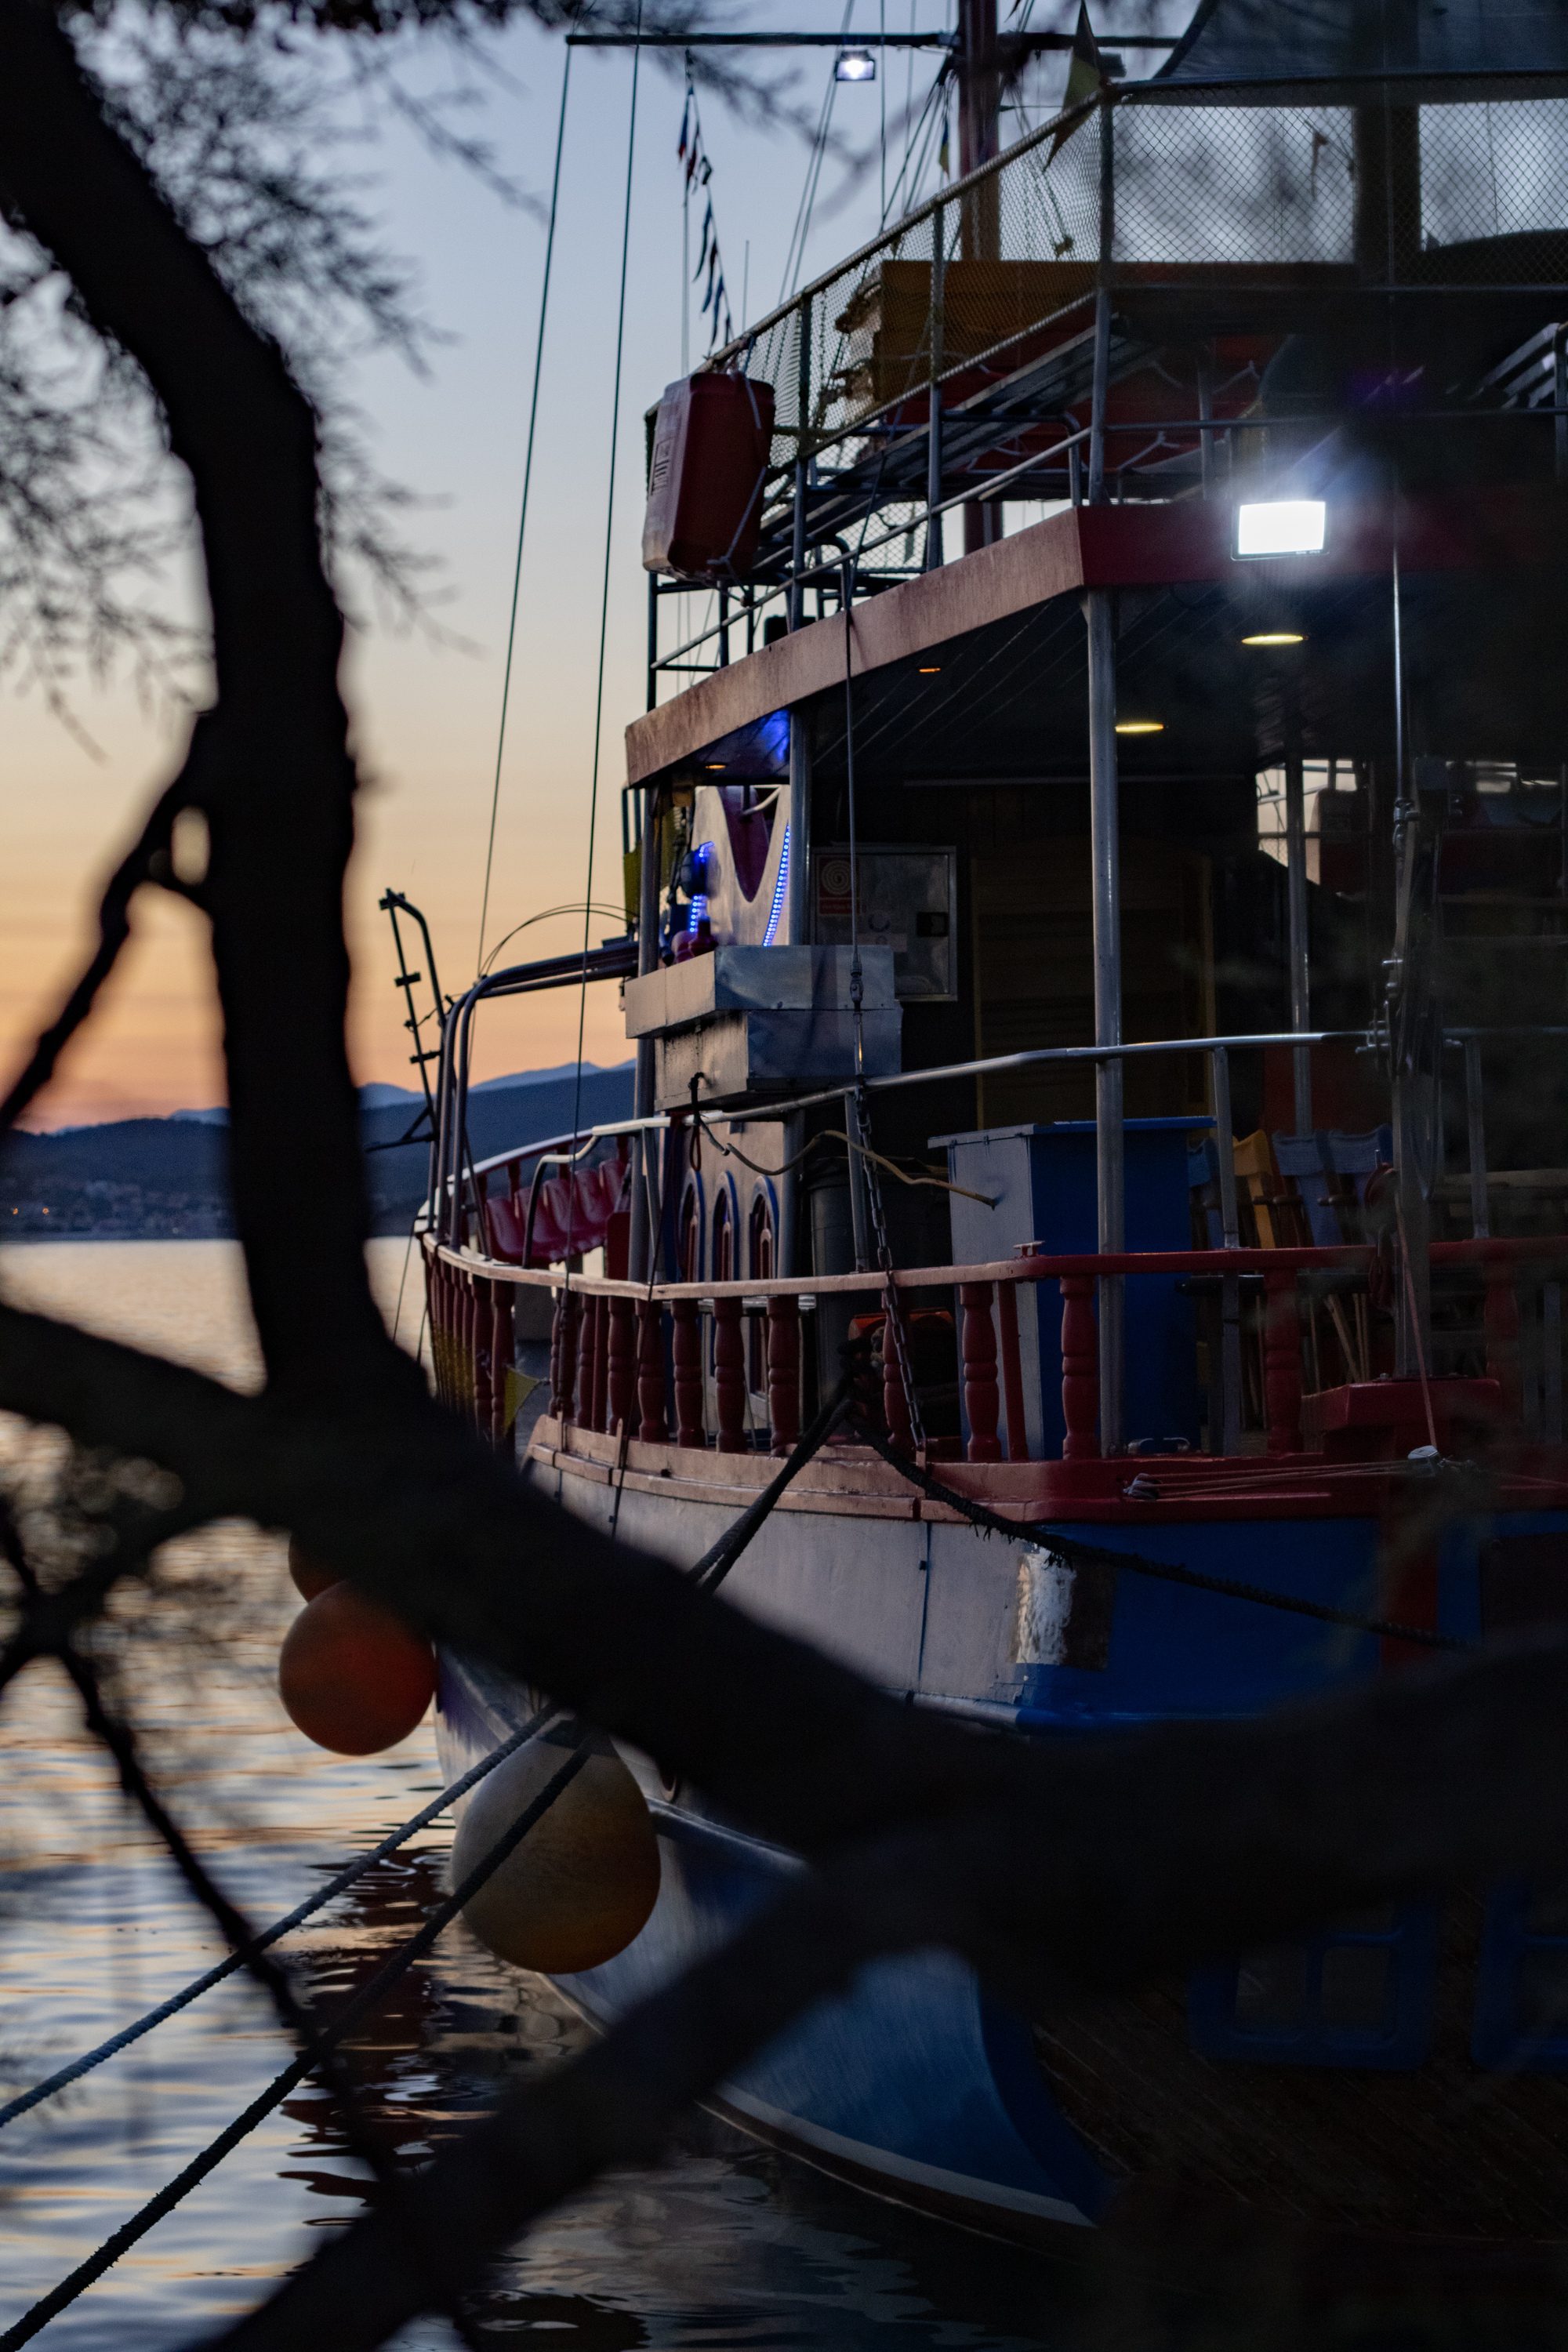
x=979, y=139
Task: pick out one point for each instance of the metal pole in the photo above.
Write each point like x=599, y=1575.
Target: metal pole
x=933, y=419
x=797, y=933
x=1295, y=887
x=1205, y=413
x=1102, y=308
x=640, y=1240
x=1560, y=402
x=1229, y=1431
x=1475, y=1121
x=802, y=464
x=1105, y=861
x=652, y=639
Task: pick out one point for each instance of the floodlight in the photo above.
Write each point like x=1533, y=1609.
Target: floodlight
x=1281, y=526
x=855, y=65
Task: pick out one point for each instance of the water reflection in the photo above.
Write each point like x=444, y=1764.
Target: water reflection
x=723, y=2244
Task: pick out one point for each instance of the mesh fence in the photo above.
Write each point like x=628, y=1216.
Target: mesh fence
x=1211, y=206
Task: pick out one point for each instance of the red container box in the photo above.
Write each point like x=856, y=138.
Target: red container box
x=711, y=439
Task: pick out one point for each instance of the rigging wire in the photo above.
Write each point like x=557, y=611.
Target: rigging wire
x=522, y=514
x=604, y=616
x=794, y=259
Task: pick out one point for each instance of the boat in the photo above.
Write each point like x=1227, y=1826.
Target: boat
x=1103, y=977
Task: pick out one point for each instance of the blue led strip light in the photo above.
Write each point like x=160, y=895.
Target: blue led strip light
x=776, y=910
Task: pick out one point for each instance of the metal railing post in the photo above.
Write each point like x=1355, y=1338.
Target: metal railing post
x=1102, y=306
x=1105, y=856
x=933, y=418
x=1229, y=1284
x=1475, y=1122
x=1296, y=891
x=801, y=468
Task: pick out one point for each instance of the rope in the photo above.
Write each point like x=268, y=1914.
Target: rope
x=522, y=514
x=708, y=1573
x=331, y=2033
x=603, y=624
x=243, y=1954
x=1072, y=1548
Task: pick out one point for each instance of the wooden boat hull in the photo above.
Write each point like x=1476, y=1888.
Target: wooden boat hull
x=1401, y=2120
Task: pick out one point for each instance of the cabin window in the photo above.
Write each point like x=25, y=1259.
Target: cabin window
x=1358, y=1995
x=1521, y=1983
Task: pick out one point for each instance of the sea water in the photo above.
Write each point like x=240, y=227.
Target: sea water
x=722, y=2244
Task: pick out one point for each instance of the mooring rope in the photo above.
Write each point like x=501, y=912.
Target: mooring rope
x=1073, y=1547
x=331, y=2033
x=707, y=1573
x=239, y=1958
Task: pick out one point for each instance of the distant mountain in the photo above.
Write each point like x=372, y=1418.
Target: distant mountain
x=157, y=1179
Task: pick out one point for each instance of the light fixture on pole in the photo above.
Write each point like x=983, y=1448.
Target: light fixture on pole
x=855, y=65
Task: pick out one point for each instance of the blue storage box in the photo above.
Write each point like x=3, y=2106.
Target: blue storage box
x=1043, y=1181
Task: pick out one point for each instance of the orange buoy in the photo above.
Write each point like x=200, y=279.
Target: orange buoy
x=584, y=1878
x=309, y=1577
x=352, y=1676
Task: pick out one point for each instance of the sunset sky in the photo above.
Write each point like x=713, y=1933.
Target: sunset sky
x=425, y=711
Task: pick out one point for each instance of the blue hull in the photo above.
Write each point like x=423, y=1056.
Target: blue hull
x=914, y=2084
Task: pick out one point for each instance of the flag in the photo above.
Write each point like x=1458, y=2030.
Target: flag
x=942, y=153
x=1086, y=73
x=685, y=127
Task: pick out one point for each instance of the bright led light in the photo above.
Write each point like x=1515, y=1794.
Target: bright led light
x=1282, y=527
x=1275, y=637
x=1140, y=726
x=855, y=65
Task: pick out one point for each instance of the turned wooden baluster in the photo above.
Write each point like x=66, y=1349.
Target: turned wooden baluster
x=557, y=1324
x=687, y=1351
x=483, y=1333
x=981, y=1398
x=501, y=1359
x=895, y=1403
x=730, y=1374
x=568, y=1315
x=654, y=1430
x=464, y=1400
x=436, y=1307
x=784, y=1373
x=1080, y=1367
x=1282, y=1364
x=1012, y=1371
x=601, y=1363
x=1500, y=1323
x=581, y=1393
x=621, y=1385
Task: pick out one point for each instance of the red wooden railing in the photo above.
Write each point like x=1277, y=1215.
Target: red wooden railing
x=610, y=1371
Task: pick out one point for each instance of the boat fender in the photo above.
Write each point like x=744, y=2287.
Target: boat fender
x=352, y=1676
x=583, y=1882
x=309, y=1577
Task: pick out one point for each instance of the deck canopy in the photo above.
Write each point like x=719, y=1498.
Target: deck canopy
x=1302, y=50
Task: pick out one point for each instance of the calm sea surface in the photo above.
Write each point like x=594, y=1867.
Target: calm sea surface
x=723, y=2244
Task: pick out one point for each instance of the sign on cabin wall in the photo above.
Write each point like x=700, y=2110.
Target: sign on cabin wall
x=1032, y=930
x=907, y=901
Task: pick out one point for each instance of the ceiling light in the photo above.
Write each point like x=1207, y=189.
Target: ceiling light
x=855, y=65
x=1140, y=726
x=717, y=764
x=931, y=669
x=1281, y=526
x=1275, y=637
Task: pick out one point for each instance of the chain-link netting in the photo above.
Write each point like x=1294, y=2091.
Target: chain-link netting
x=1221, y=219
